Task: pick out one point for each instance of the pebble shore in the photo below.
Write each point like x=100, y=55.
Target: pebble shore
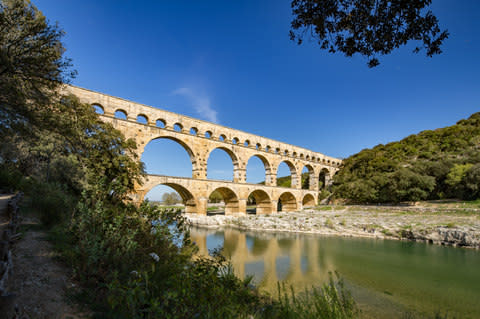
x=462, y=230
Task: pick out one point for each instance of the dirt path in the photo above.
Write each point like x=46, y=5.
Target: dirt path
x=39, y=281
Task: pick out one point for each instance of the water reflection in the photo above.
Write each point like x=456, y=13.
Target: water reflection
x=387, y=277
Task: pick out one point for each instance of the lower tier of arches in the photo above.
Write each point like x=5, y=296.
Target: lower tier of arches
x=196, y=192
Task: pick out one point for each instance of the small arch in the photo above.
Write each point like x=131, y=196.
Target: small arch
x=294, y=154
x=98, y=108
x=235, y=141
x=268, y=148
x=230, y=199
x=160, y=123
x=222, y=138
x=287, y=202
x=301, y=155
x=262, y=201
x=307, y=158
x=142, y=119
x=277, y=150
x=246, y=143
x=177, y=127
x=258, y=146
x=308, y=200
x=208, y=134
x=285, y=152
x=193, y=131
x=120, y=114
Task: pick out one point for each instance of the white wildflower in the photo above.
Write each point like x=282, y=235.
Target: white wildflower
x=155, y=257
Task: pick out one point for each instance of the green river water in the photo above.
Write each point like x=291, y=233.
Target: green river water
x=387, y=278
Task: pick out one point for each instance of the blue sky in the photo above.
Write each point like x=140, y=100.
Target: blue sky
x=232, y=62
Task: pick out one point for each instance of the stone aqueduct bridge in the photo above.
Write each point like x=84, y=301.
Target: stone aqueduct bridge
x=199, y=138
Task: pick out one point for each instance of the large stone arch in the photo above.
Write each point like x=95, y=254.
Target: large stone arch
x=264, y=202
x=185, y=146
x=237, y=175
x=325, y=177
x=287, y=202
x=188, y=198
x=293, y=173
x=269, y=176
x=230, y=198
x=308, y=200
x=312, y=177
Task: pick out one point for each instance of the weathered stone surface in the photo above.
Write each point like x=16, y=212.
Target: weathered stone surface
x=199, y=138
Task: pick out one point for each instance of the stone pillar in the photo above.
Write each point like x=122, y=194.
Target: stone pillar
x=270, y=179
x=199, y=173
x=274, y=206
x=313, y=182
x=242, y=206
x=299, y=205
x=240, y=175
x=202, y=206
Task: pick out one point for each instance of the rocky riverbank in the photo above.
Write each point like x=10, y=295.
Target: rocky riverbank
x=457, y=228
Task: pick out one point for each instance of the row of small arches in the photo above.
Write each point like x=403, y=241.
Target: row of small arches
x=160, y=123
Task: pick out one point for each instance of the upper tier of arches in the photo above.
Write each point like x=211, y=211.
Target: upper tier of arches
x=153, y=117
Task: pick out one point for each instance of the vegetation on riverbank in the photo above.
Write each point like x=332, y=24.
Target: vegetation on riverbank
x=438, y=164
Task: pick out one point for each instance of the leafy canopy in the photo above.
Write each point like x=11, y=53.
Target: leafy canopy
x=367, y=27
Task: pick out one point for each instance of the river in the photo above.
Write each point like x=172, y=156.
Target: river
x=387, y=278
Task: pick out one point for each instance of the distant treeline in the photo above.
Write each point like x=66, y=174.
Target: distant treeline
x=443, y=163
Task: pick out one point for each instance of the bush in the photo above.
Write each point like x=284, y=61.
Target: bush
x=52, y=202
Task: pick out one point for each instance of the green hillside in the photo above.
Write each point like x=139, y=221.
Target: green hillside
x=443, y=163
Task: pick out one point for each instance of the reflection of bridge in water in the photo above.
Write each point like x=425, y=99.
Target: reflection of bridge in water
x=270, y=257
x=199, y=139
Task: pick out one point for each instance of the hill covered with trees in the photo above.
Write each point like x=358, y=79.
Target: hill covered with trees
x=434, y=164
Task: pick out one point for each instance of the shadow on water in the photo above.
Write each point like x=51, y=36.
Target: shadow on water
x=387, y=278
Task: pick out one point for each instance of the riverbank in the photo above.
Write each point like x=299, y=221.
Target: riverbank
x=450, y=227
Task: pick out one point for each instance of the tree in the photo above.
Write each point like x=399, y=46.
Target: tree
x=171, y=198
x=367, y=27
x=32, y=65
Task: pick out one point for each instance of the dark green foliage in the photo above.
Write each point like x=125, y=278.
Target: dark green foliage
x=32, y=65
x=430, y=165
x=369, y=28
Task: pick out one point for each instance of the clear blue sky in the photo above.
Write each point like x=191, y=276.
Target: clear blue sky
x=232, y=62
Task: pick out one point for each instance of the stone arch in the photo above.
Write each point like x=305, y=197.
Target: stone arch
x=293, y=173
x=161, y=123
x=263, y=201
x=120, y=113
x=222, y=138
x=194, y=131
x=98, y=108
x=311, y=180
x=235, y=140
x=324, y=178
x=142, y=119
x=232, y=156
x=287, y=202
x=178, y=127
x=184, y=145
x=308, y=200
x=188, y=198
x=230, y=198
x=266, y=165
